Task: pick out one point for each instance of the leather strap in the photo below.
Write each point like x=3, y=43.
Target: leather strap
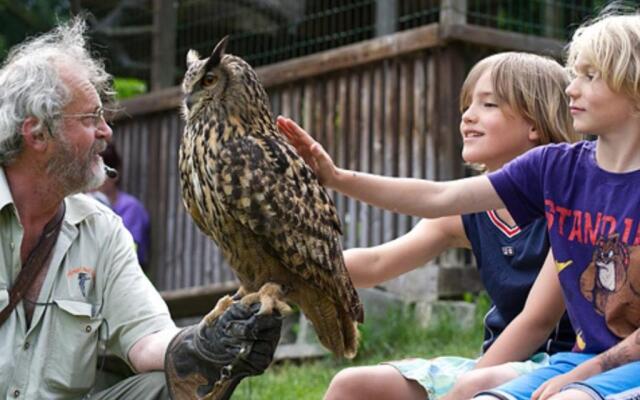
x=35, y=263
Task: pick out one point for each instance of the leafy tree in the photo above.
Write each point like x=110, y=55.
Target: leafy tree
x=23, y=18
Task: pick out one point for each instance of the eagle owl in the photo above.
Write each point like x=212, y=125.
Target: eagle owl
x=248, y=190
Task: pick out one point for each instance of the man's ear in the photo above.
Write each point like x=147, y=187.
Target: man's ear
x=33, y=137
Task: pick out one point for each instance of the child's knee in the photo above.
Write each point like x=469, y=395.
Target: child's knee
x=345, y=384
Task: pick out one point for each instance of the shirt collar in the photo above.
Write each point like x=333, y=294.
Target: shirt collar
x=5, y=192
x=78, y=207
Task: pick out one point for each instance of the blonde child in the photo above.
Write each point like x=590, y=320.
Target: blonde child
x=511, y=102
x=590, y=195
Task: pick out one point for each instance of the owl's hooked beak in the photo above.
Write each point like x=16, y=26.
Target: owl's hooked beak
x=189, y=100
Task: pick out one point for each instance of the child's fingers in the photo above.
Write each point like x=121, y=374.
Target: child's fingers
x=292, y=131
x=298, y=132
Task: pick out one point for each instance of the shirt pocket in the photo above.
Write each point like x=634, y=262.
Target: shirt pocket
x=73, y=347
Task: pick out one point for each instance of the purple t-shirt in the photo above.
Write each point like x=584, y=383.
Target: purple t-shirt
x=593, y=220
x=136, y=220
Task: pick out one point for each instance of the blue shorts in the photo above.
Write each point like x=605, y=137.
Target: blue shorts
x=620, y=383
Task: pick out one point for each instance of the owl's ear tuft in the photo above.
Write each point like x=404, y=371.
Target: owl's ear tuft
x=217, y=53
x=192, y=56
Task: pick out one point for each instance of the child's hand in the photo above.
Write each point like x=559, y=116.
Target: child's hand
x=310, y=150
x=555, y=384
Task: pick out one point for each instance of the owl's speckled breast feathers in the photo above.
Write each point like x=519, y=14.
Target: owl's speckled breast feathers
x=246, y=188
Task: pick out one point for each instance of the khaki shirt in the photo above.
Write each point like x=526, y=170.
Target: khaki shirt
x=94, y=292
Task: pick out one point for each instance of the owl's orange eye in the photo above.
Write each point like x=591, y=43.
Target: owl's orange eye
x=209, y=79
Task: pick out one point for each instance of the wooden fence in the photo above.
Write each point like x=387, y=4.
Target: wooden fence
x=387, y=106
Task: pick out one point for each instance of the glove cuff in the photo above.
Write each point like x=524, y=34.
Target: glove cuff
x=187, y=378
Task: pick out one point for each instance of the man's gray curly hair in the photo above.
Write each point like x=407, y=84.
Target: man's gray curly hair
x=31, y=85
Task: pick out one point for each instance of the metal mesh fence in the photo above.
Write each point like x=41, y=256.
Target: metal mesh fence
x=549, y=18
x=268, y=31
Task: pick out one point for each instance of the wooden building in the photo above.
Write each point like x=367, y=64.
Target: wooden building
x=388, y=105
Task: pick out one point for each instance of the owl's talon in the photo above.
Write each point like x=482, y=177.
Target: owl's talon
x=221, y=306
x=239, y=294
x=270, y=296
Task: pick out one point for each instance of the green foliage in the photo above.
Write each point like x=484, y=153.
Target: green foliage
x=393, y=336
x=128, y=87
x=24, y=18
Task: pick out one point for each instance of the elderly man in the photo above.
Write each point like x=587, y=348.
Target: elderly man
x=69, y=276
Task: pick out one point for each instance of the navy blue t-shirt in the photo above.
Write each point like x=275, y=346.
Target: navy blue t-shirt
x=509, y=259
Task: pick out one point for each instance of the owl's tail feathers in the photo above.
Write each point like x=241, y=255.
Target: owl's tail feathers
x=336, y=329
x=351, y=336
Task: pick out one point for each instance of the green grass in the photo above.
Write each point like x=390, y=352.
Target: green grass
x=388, y=337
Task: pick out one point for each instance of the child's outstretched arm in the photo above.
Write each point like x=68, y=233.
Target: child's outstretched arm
x=429, y=238
x=404, y=195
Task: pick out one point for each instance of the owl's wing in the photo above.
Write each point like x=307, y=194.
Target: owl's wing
x=272, y=192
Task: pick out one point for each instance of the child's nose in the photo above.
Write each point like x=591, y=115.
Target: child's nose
x=468, y=115
x=571, y=89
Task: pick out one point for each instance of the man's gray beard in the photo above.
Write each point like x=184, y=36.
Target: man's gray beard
x=73, y=175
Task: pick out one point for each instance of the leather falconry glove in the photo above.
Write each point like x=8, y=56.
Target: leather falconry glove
x=208, y=360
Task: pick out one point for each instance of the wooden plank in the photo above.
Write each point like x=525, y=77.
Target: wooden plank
x=328, y=134
x=341, y=133
x=350, y=56
x=432, y=122
x=390, y=141
x=308, y=104
x=166, y=203
x=353, y=151
x=358, y=54
x=405, y=122
x=196, y=301
x=158, y=100
x=496, y=38
x=419, y=130
x=366, y=147
x=296, y=102
x=377, y=159
x=285, y=106
x=451, y=76
x=318, y=123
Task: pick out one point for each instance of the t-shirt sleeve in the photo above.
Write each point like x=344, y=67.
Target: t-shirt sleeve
x=132, y=306
x=520, y=185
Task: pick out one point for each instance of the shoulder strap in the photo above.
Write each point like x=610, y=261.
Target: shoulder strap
x=35, y=262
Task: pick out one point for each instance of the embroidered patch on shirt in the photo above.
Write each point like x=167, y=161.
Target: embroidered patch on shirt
x=82, y=278
x=507, y=250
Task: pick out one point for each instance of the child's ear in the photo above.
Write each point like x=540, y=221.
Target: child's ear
x=534, y=135
x=33, y=137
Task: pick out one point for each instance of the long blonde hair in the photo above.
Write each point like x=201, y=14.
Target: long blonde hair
x=532, y=86
x=610, y=45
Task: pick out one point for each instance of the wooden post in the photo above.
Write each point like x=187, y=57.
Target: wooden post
x=553, y=16
x=386, y=17
x=453, y=12
x=163, y=53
